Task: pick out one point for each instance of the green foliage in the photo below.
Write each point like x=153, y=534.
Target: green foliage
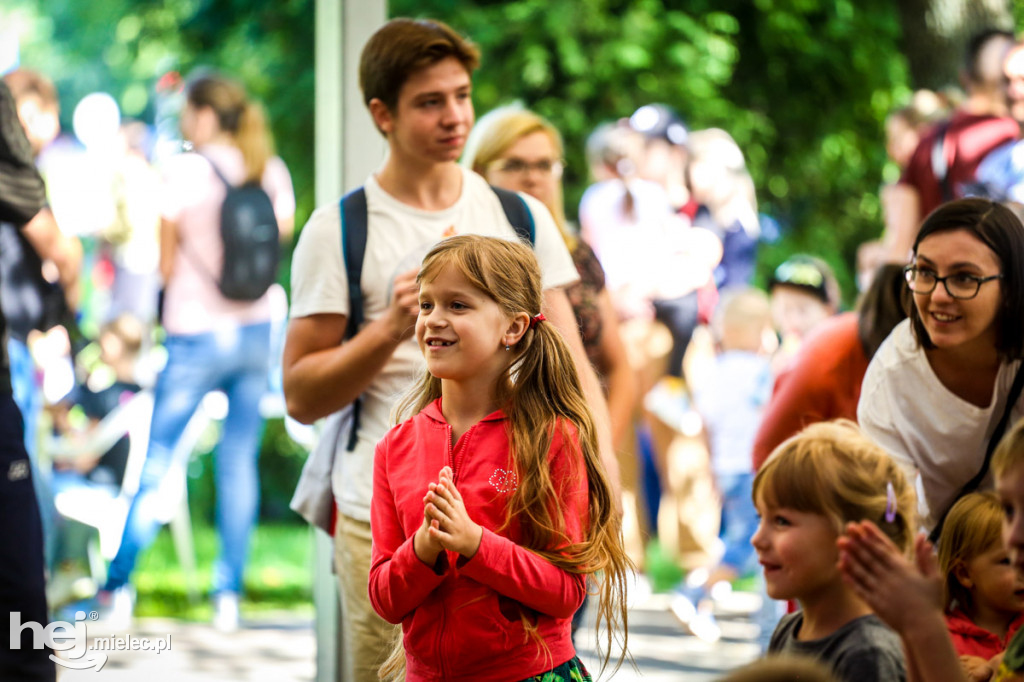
x=123, y=47
x=277, y=574
x=802, y=85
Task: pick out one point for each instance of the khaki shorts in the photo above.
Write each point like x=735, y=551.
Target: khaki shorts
x=366, y=638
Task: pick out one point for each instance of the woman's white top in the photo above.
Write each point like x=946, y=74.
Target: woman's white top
x=937, y=438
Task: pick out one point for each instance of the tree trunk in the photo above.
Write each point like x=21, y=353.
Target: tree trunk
x=936, y=32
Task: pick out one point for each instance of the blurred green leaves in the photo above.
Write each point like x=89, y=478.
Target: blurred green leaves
x=123, y=46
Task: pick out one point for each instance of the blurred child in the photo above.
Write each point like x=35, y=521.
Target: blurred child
x=730, y=397
x=91, y=451
x=491, y=502
x=730, y=400
x=804, y=293
x=807, y=491
x=983, y=597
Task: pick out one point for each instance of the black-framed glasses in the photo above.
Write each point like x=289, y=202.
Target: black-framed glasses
x=959, y=285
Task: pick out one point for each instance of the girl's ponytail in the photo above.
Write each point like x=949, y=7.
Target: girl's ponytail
x=254, y=140
x=236, y=115
x=545, y=393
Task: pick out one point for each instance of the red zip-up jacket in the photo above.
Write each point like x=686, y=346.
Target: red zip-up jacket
x=971, y=640
x=461, y=618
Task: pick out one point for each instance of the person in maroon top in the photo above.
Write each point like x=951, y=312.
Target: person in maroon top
x=948, y=155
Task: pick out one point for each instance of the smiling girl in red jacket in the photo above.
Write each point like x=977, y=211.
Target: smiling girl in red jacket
x=490, y=506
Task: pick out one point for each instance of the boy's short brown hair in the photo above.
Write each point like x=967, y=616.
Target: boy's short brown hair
x=403, y=46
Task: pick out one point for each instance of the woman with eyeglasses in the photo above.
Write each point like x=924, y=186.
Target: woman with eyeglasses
x=937, y=387
x=516, y=149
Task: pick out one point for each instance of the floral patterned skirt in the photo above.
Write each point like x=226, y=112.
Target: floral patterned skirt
x=572, y=670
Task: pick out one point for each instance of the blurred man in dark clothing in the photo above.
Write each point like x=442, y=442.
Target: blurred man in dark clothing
x=22, y=581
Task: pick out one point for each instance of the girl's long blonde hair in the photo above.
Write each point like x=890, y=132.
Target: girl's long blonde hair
x=539, y=393
x=243, y=119
x=973, y=526
x=832, y=469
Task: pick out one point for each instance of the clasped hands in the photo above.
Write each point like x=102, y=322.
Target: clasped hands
x=446, y=523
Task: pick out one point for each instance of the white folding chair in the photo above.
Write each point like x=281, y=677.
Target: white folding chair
x=107, y=512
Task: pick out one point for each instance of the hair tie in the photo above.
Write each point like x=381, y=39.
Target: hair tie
x=890, y=503
x=539, y=317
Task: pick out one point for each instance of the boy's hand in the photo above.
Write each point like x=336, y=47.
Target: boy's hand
x=405, y=304
x=455, y=530
x=976, y=668
x=895, y=589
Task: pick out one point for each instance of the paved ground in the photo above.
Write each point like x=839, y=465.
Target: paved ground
x=282, y=648
x=273, y=649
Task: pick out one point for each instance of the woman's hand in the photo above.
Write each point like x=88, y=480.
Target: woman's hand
x=450, y=522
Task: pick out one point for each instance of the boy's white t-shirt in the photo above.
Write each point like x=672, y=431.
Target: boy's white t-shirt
x=936, y=437
x=398, y=237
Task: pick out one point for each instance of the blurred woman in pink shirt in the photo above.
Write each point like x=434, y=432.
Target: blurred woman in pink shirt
x=213, y=343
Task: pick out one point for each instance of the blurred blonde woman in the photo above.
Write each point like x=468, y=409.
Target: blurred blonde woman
x=516, y=149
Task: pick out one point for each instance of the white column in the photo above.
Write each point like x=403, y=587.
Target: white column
x=346, y=149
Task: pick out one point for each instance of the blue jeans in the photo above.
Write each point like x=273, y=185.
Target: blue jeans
x=739, y=522
x=234, y=361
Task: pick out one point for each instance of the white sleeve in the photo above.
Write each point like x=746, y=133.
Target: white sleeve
x=556, y=264
x=879, y=423
x=319, y=283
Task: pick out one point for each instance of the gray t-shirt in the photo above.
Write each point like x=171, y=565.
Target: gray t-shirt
x=863, y=649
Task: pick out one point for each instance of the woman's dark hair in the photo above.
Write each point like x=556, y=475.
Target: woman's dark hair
x=881, y=307
x=999, y=228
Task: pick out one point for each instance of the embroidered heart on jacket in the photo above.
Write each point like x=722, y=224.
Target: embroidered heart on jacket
x=504, y=481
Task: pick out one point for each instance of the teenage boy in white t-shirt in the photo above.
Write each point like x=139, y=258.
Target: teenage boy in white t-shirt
x=416, y=81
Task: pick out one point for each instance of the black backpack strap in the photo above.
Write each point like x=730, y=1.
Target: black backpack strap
x=353, y=249
x=217, y=171
x=997, y=435
x=354, y=222
x=518, y=214
x=187, y=250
